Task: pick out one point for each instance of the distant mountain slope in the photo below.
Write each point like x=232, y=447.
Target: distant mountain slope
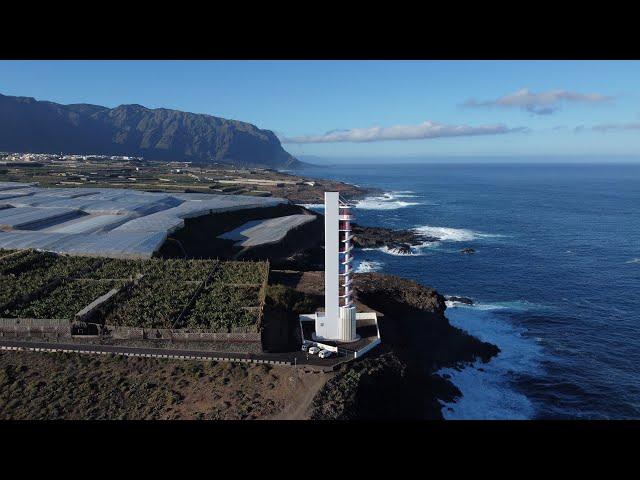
x=29, y=125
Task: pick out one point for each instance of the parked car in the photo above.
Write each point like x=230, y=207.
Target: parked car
x=305, y=347
x=313, y=350
x=325, y=353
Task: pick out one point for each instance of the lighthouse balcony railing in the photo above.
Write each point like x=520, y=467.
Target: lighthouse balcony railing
x=347, y=238
x=346, y=248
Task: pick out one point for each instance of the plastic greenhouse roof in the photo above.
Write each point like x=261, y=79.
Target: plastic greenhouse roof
x=110, y=222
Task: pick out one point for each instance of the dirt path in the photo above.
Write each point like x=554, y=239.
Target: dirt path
x=304, y=387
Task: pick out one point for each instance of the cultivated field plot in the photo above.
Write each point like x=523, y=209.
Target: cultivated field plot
x=64, y=301
x=223, y=307
x=28, y=273
x=205, y=295
x=231, y=299
x=113, y=268
x=240, y=273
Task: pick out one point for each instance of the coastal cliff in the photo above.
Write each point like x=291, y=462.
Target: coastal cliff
x=29, y=125
x=398, y=380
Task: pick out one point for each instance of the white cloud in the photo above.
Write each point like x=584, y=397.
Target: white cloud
x=543, y=103
x=402, y=132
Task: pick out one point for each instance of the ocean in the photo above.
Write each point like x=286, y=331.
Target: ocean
x=555, y=277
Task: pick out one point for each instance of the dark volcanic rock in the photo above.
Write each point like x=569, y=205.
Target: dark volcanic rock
x=376, y=237
x=28, y=125
x=468, y=251
x=401, y=249
x=464, y=300
x=397, y=380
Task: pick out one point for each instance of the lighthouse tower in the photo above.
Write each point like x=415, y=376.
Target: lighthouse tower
x=338, y=321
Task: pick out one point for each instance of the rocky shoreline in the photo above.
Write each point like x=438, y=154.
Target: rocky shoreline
x=304, y=190
x=398, y=380
x=397, y=241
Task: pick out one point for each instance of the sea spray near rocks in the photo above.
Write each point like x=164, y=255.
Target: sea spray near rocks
x=367, y=266
x=453, y=234
x=386, y=201
x=487, y=390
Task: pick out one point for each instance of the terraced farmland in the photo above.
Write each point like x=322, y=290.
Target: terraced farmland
x=113, y=268
x=240, y=273
x=23, y=275
x=198, y=294
x=223, y=307
x=64, y=301
x=151, y=304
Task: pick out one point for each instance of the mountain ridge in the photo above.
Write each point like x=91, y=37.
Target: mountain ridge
x=40, y=126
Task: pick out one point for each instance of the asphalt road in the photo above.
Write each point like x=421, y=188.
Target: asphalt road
x=288, y=358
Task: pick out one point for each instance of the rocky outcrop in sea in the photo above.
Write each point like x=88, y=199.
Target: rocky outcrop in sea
x=395, y=241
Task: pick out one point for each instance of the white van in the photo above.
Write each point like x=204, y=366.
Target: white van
x=325, y=353
x=313, y=350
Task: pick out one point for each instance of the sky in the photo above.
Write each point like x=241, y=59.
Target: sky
x=360, y=109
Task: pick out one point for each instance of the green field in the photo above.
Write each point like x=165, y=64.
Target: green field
x=155, y=293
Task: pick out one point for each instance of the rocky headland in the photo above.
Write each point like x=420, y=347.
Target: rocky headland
x=398, y=380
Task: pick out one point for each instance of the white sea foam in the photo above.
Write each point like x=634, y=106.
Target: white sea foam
x=366, y=266
x=452, y=303
x=489, y=394
x=396, y=251
x=513, y=306
x=635, y=260
x=404, y=194
x=386, y=201
x=415, y=250
x=447, y=234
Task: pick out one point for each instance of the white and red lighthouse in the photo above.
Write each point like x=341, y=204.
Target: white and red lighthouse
x=338, y=321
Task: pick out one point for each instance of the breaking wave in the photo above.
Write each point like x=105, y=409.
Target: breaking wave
x=635, y=260
x=453, y=234
x=404, y=194
x=366, y=266
x=487, y=388
x=396, y=251
x=386, y=201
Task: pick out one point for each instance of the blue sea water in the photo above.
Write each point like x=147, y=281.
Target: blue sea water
x=555, y=277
